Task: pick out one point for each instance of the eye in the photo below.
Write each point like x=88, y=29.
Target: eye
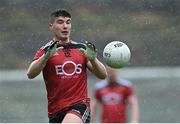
x=60, y=21
x=68, y=22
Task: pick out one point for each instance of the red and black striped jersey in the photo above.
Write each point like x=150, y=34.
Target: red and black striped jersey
x=65, y=77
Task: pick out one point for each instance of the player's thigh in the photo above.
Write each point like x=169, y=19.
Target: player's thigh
x=78, y=113
x=72, y=118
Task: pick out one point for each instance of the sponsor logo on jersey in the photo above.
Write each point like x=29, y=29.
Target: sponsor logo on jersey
x=69, y=68
x=111, y=99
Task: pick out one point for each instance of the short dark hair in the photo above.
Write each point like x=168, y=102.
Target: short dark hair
x=59, y=12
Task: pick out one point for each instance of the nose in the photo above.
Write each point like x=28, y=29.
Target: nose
x=65, y=25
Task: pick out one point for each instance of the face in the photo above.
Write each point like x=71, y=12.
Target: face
x=61, y=27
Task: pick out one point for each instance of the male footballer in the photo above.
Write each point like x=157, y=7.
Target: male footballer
x=64, y=65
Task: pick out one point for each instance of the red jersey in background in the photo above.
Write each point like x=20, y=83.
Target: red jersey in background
x=113, y=99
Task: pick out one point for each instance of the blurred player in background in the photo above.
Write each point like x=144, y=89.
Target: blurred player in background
x=113, y=96
x=64, y=65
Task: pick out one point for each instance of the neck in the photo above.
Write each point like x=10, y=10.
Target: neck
x=112, y=83
x=62, y=40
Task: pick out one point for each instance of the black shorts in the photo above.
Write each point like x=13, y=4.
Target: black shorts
x=79, y=109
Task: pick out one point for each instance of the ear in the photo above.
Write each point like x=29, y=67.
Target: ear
x=50, y=25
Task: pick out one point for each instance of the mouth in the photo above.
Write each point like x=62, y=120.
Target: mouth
x=65, y=32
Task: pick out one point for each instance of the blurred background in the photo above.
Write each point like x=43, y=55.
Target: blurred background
x=149, y=27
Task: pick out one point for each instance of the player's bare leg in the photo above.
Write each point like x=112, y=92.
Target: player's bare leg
x=71, y=118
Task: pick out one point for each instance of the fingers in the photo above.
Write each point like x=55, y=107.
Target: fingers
x=90, y=45
x=59, y=48
x=82, y=50
x=53, y=44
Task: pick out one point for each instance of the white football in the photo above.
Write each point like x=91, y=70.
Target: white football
x=116, y=54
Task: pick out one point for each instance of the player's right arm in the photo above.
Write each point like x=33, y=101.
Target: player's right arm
x=36, y=67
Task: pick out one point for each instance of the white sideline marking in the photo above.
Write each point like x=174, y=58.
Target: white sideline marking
x=126, y=72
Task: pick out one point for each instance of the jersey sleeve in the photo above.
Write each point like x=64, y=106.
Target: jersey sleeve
x=38, y=54
x=129, y=91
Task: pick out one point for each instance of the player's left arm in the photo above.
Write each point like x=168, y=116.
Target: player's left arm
x=133, y=101
x=97, y=68
x=93, y=64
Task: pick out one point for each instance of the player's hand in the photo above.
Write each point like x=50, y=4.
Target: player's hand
x=90, y=51
x=50, y=50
